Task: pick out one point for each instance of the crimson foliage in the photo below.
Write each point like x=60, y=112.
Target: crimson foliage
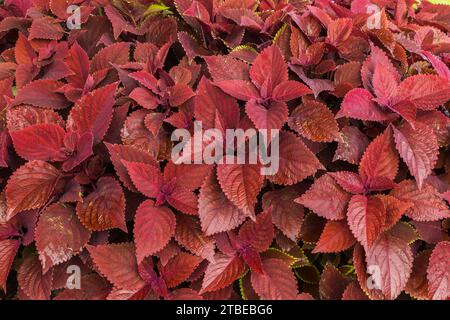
x=357, y=209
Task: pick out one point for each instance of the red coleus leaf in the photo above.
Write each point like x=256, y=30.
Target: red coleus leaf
x=117, y=53
x=287, y=215
x=42, y=93
x=296, y=161
x=179, y=268
x=314, y=121
x=103, y=208
x=222, y=272
x=269, y=67
x=359, y=104
x=127, y=153
x=419, y=149
x=35, y=284
x=394, y=258
x=241, y=184
x=59, y=235
x=438, y=272
x=272, y=115
x=155, y=226
x=380, y=158
x=354, y=292
x=30, y=186
x=417, y=285
x=326, y=199
x=189, y=235
x=276, y=283
x=217, y=213
x=351, y=145
x=43, y=142
x=366, y=217
x=117, y=262
x=8, y=251
x=212, y=104
x=259, y=233
x=22, y=117
x=427, y=205
x=46, y=28
x=336, y=237
x=339, y=30
x=332, y=283
x=425, y=91
x=93, y=112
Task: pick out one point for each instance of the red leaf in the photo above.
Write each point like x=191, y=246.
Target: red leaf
x=212, y=104
x=277, y=283
x=104, y=208
x=78, y=63
x=394, y=209
x=349, y=181
x=146, y=177
x=366, y=217
x=117, y=262
x=336, y=237
x=179, y=94
x=394, y=258
x=179, y=268
x=286, y=214
x=332, y=283
x=418, y=148
x=438, y=272
x=216, y=212
x=259, y=233
x=269, y=67
x=42, y=93
x=339, y=30
x=8, y=251
x=127, y=153
x=384, y=84
x=240, y=89
x=417, y=285
x=326, y=199
x=380, y=158
x=222, y=272
x=314, y=121
x=30, y=187
x=154, y=227
x=34, y=283
x=144, y=98
x=351, y=145
x=289, y=90
x=272, y=116
x=427, y=205
x=93, y=112
x=190, y=176
x=427, y=92
x=22, y=117
x=354, y=292
x=59, y=235
x=115, y=54
x=359, y=104
x=241, y=184
x=189, y=235
x=296, y=161
x=43, y=142
x=46, y=28
x=227, y=68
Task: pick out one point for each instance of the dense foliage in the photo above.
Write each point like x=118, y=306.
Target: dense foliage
x=358, y=209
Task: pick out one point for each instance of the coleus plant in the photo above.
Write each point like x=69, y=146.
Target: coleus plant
x=359, y=206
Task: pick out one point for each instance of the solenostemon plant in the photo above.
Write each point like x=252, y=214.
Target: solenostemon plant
x=233, y=149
